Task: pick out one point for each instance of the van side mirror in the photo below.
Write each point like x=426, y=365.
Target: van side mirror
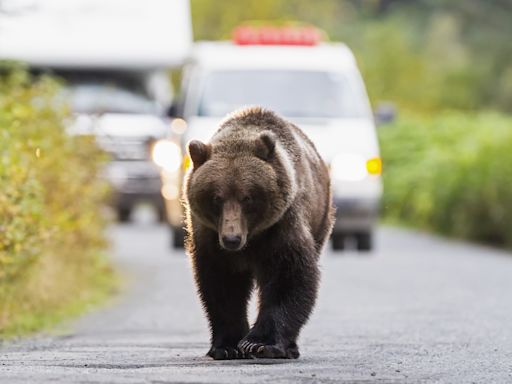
x=174, y=109
x=385, y=113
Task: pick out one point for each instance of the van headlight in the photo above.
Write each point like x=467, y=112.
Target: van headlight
x=167, y=155
x=354, y=167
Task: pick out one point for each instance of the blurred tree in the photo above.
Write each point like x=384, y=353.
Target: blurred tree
x=212, y=21
x=424, y=54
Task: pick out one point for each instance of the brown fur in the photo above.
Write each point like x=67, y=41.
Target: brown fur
x=259, y=209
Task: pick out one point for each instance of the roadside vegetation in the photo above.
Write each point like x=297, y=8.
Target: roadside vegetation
x=445, y=64
x=451, y=173
x=52, y=261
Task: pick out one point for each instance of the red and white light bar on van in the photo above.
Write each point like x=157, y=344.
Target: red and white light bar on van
x=250, y=35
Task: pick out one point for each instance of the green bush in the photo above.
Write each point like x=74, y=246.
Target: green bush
x=451, y=173
x=51, y=227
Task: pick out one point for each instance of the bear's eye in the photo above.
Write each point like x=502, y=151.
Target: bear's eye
x=247, y=200
x=217, y=200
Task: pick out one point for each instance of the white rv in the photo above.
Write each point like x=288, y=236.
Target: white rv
x=114, y=56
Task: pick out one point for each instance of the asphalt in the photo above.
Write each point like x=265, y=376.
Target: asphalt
x=419, y=309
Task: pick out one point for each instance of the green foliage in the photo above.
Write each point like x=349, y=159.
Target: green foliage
x=451, y=173
x=214, y=20
x=425, y=71
x=51, y=227
x=422, y=54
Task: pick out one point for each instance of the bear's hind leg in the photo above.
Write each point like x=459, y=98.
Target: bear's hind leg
x=224, y=294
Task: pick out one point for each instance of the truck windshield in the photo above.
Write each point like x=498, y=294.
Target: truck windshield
x=99, y=98
x=300, y=94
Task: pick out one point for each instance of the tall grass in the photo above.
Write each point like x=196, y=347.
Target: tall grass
x=451, y=173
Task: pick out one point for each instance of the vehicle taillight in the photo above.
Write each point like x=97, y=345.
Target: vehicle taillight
x=249, y=35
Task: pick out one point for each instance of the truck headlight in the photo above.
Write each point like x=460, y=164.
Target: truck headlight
x=166, y=154
x=354, y=167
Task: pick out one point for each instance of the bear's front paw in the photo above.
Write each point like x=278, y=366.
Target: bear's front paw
x=225, y=353
x=256, y=349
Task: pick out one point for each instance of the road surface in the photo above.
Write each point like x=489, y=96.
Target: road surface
x=419, y=310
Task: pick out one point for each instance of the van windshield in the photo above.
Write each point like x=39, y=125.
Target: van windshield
x=299, y=94
x=99, y=98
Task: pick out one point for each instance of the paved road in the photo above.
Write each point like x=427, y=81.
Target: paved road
x=420, y=310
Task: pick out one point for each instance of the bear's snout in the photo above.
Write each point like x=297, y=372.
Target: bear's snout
x=232, y=231
x=231, y=242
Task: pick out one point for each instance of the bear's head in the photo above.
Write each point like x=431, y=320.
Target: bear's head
x=239, y=186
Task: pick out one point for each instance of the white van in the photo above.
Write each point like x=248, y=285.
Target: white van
x=315, y=85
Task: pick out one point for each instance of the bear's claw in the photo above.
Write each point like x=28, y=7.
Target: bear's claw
x=225, y=353
x=248, y=347
x=269, y=351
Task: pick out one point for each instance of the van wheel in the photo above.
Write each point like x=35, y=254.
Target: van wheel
x=338, y=241
x=124, y=214
x=364, y=241
x=162, y=215
x=178, y=237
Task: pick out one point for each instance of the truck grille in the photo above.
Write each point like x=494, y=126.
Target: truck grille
x=126, y=148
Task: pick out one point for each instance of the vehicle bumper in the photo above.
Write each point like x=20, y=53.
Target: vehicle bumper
x=134, y=182
x=355, y=214
x=128, y=199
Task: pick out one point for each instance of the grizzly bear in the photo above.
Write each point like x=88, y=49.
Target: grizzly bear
x=259, y=210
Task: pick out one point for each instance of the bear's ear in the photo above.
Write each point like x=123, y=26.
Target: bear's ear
x=266, y=145
x=198, y=152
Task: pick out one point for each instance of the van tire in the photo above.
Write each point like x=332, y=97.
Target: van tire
x=161, y=215
x=178, y=237
x=124, y=214
x=338, y=241
x=364, y=241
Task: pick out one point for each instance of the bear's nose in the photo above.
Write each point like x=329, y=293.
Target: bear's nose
x=231, y=242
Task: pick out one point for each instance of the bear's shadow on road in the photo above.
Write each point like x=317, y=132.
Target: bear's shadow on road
x=174, y=362
x=238, y=362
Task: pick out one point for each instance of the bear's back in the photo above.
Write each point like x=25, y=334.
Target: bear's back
x=249, y=122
